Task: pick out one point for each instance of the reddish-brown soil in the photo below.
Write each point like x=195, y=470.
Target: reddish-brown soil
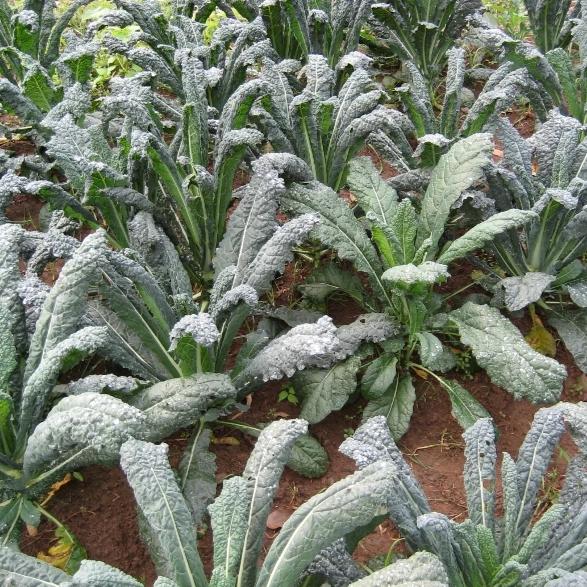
x=524, y=120
x=25, y=210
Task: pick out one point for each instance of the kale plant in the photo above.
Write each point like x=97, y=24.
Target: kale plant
x=324, y=126
x=504, y=88
x=514, y=548
x=543, y=262
x=551, y=22
x=144, y=172
x=399, y=248
x=31, y=59
x=172, y=47
x=44, y=332
x=298, y=28
x=420, y=31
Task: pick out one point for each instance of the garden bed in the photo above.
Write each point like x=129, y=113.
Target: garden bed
x=293, y=297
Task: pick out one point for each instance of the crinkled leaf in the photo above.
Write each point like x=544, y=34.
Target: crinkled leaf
x=479, y=471
x=483, y=233
x=229, y=515
x=372, y=443
x=355, y=500
x=502, y=351
x=422, y=569
x=64, y=355
x=307, y=345
x=522, y=291
x=262, y=473
x=99, y=574
x=65, y=303
x=164, y=509
x=19, y=569
x=456, y=171
x=578, y=293
x=82, y=430
x=428, y=272
x=197, y=473
x=178, y=403
x=366, y=328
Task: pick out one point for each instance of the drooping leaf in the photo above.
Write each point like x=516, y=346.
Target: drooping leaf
x=164, y=509
x=179, y=403
x=64, y=355
x=81, y=430
x=501, y=350
x=522, y=291
x=374, y=327
x=307, y=345
x=372, y=443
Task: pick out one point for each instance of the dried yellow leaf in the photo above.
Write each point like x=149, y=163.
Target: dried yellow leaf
x=56, y=487
x=541, y=340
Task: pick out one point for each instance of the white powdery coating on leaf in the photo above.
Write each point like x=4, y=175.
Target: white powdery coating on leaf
x=10, y=185
x=200, y=327
x=369, y=443
x=436, y=139
x=522, y=291
x=99, y=383
x=306, y=345
x=367, y=327
x=427, y=272
x=355, y=59
x=28, y=18
x=241, y=293
x=32, y=292
x=90, y=426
